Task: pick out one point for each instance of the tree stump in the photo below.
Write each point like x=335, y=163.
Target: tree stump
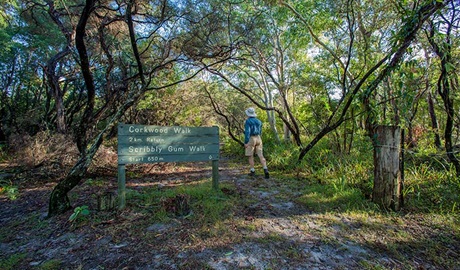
x=179, y=205
x=182, y=205
x=387, y=174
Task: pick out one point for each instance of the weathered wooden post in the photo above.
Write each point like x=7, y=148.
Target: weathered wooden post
x=387, y=174
x=215, y=174
x=121, y=186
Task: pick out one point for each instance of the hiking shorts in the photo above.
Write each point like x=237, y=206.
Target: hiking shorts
x=254, y=145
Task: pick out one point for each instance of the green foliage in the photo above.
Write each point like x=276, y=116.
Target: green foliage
x=335, y=181
x=208, y=206
x=431, y=184
x=281, y=156
x=324, y=198
x=51, y=265
x=79, y=214
x=432, y=189
x=98, y=182
x=12, y=262
x=344, y=182
x=10, y=190
x=231, y=148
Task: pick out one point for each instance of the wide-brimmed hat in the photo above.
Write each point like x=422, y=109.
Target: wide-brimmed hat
x=250, y=112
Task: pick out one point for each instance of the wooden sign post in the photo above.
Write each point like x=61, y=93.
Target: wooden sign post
x=152, y=144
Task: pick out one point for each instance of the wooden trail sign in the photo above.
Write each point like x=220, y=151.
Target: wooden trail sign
x=152, y=144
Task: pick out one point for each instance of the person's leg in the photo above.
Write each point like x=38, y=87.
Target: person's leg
x=263, y=161
x=249, y=152
x=251, y=162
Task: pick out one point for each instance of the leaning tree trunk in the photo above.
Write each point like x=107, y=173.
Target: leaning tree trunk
x=59, y=201
x=408, y=32
x=387, y=174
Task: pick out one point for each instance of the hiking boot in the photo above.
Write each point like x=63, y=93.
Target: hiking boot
x=252, y=174
x=267, y=175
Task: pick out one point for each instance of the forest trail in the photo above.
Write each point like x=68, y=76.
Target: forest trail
x=294, y=240
x=268, y=229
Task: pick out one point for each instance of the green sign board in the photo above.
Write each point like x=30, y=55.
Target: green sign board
x=150, y=144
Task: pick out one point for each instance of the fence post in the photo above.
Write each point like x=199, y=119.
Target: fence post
x=387, y=174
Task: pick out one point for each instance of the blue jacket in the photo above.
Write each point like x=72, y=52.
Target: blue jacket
x=252, y=127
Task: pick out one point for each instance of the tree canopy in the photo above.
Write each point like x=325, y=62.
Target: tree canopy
x=315, y=68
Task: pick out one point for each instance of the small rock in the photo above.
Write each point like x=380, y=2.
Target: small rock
x=35, y=263
x=158, y=227
x=120, y=245
x=104, y=241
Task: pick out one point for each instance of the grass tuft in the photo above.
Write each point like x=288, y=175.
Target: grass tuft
x=208, y=206
x=12, y=262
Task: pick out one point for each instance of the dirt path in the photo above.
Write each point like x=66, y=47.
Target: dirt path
x=285, y=236
x=269, y=230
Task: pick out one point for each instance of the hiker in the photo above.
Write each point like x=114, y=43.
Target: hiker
x=253, y=141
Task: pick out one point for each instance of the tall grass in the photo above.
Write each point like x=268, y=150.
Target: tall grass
x=433, y=189
x=430, y=183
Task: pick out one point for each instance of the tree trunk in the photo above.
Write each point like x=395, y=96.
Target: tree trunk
x=3, y=136
x=387, y=173
x=55, y=89
x=50, y=70
x=411, y=142
x=434, y=121
x=59, y=201
x=448, y=136
x=446, y=88
x=286, y=133
x=272, y=122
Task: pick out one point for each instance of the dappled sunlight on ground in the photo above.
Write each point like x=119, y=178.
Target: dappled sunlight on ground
x=269, y=225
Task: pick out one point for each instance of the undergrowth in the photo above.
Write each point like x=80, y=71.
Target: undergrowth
x=12, y=261
x=340, y=179
x=337, y=188
x=207, y=206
